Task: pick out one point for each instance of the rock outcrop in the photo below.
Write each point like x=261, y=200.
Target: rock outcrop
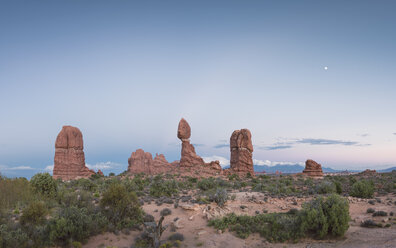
x=313, y=169
x=188, y=156
x=143, y=162
x=368, y=172
x=241, y=152
x=69, y=161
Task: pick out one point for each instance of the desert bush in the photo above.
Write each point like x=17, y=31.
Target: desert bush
x=326, y=216
x=380, y=213
x=220, y=197
x=13, y=192
x=34, y=213
x=121, y=207
x=75, y=224
x=207, y=183
x=160, y=187
x=176, y=236
x=44, y=184
x=326, y=187
x=10, y=238
x=338, y=187
x=165, y=212
x=370, y=210
x=370, y=223
x=362, y=189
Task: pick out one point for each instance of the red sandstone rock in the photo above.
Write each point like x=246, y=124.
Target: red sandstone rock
x=183, y=130
x=241, y=151
x=313, y=169
x=143, y=162
x=368, y=172
x=100, y=173
x=69, y=161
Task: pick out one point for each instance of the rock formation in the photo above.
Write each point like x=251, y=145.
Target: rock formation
x=368, y=172
x=313, y=169
x=69, y=161
x=241, y=152
x=143, y=162
x=188, y=156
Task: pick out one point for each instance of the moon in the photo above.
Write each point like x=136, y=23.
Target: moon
x=325, y=68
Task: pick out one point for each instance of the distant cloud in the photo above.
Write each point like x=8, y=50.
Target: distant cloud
x=221, y=146
x=198, y=145
x=49, y=168
x=274, y=163
x=364, y=135
x=103, y=165
x=275, y=147
x=327, y=142
x=223, y=161
x=394, y=133
x=8, y=168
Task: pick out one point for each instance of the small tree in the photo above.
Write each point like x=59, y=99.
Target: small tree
x=34, y=213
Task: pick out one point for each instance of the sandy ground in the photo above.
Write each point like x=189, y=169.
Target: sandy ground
x=193, y=225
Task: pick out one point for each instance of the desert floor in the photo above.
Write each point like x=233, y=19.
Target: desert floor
x=193, y=224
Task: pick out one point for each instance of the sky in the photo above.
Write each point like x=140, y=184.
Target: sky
x=309, y=79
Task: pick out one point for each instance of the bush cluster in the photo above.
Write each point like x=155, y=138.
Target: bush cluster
x=362, y=189
x=318, y=218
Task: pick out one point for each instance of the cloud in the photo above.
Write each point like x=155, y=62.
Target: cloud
x=49, y=168
x=223, y=161
x=394, y=133
x=103, y=165
x=274, y=163
x=327, y=142
x=198, y=145
x=221, y=146
x=275, y=147
x=364, y=135
x=8, y=168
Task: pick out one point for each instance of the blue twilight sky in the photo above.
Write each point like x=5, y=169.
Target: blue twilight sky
x=125, y=72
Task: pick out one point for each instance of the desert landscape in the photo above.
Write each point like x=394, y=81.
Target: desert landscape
x=190, y=203
x=210, y=123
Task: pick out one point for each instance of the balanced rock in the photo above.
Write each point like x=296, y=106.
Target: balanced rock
x=313, y=169
x=241, y=151
x=69, y=161
x=188, y=156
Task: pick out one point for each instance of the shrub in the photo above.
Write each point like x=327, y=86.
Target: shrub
x=370, y=223
x=12, y=238
x=44, y=184
x=34, y=213
x=326, y=187
x=370, y=210
x=380, y=213
x=176, y=236
x=165, y=212
x=326, y=216
x=75, y=224
x=338, y=187
x=220, y=197
x=362, y=189
x=160, y=187
x=121, y=207
x=207, y=183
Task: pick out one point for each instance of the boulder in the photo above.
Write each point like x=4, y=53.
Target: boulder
x=69, y=161
x=188, y=156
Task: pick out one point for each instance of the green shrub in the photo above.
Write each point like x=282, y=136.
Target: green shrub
x=326, y=187
x=121, y=207
x=34, y=213
x=14, y=192
x=44, y=184
x=75, y=224
x=165, y=212
x=326, y=216
x=338, y=187
x=362, y=189
x=207, y=183
x=13, y=238
x=370, y=223
x=160, y=187
x=380, y=213
x=370, y=210
x=220, y=197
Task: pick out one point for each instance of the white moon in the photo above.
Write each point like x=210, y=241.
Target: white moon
x=325, y=68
